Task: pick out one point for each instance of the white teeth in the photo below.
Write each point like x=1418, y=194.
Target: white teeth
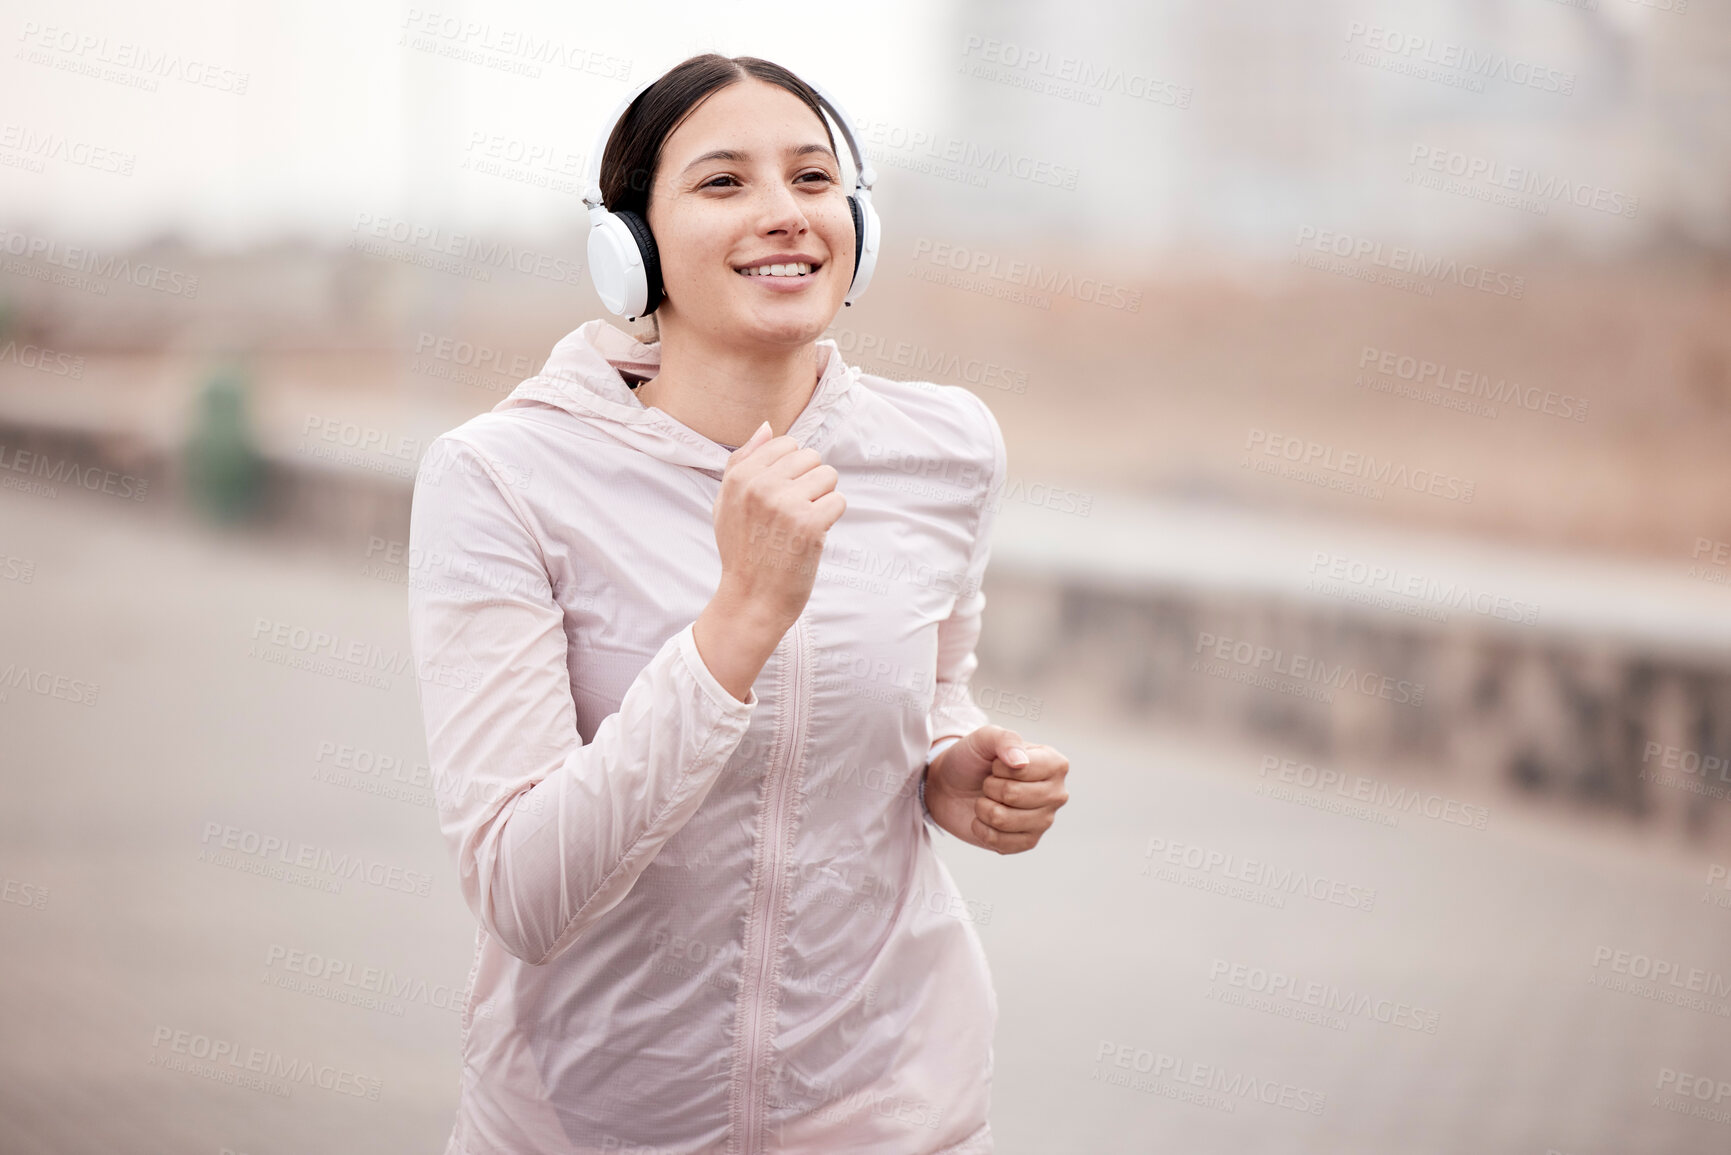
x=797, y=269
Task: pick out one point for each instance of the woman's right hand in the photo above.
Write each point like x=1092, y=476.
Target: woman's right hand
x=777, y=503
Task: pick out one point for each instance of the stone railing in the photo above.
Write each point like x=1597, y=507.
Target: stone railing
x=1596, y=685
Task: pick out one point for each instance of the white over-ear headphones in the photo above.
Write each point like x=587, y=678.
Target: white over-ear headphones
x=625, y=264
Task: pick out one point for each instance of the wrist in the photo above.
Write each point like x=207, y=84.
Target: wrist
x=734, y=644
x=939, y=746
x=747, y=616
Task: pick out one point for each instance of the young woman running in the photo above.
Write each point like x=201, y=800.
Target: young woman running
x=695, y=623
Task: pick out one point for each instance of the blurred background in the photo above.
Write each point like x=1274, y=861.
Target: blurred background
x=1365, y=370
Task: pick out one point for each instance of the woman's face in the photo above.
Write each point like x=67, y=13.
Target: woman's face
x=774, y=191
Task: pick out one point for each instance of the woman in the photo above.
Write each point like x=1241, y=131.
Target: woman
x=682, y=767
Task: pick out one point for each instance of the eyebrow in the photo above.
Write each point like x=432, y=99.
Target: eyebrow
x=735, y=155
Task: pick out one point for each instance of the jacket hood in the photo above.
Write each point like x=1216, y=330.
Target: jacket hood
x=583, y=378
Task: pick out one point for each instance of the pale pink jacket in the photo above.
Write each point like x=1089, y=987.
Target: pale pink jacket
x=706, y=925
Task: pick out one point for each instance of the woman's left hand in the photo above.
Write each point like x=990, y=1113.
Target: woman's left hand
x=996, y=791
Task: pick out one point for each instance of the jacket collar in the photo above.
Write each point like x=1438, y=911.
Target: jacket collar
x=583, y=378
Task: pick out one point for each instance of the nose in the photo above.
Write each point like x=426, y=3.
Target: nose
x=780, y=213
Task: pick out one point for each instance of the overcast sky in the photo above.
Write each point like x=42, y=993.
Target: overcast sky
x=280, y=118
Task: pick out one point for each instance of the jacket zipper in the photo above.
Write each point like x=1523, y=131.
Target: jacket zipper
x=777, y=822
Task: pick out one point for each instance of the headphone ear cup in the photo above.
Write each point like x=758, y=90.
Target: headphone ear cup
x=866, y=231
x=858, y=235
x=651, y=259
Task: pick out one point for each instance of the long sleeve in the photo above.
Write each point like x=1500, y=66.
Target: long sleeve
x=954, y=711
x=549, y=834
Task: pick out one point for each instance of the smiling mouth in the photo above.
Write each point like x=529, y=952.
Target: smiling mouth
x=792, y=270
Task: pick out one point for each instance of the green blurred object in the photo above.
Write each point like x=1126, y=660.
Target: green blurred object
x=224, y=470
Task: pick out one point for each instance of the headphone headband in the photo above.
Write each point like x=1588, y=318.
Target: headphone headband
x=864, y=175
x=592, y=185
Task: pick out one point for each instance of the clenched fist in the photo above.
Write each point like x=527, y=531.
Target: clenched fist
x=996, y=791
x=776, y=505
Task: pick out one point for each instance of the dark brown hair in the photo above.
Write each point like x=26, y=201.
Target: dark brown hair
x=632, y=156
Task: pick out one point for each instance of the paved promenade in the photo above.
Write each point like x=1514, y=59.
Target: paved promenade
x=1146, y=957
